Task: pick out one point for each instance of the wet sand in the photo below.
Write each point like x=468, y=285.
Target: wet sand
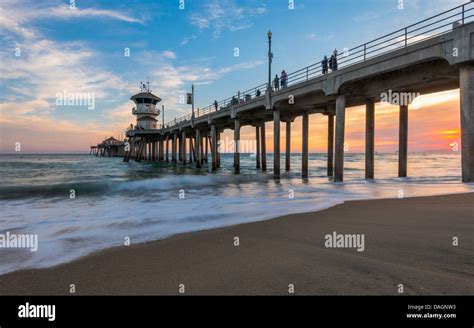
x=407, y=241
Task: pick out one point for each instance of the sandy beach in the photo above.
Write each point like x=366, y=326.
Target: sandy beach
x=407, y=241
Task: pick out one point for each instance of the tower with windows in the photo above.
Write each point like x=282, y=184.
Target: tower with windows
x=145, y=109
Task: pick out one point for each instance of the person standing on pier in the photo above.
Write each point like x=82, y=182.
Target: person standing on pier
x=284, y=79
x=215, y=105
x=333, y=61
x=276, y=82
x=324, y=64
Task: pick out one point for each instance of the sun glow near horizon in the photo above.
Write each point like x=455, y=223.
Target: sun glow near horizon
x=433, y=124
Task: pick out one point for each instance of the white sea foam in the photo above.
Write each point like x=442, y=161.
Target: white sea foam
x=142, y=201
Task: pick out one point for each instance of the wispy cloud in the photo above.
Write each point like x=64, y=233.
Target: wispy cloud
x=316, y=37
x=14, y=16
x=225, y=15
x=187, y=39
x=169, y=54
x=64, y=12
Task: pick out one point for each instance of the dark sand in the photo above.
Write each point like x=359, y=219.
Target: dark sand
x=407, y=241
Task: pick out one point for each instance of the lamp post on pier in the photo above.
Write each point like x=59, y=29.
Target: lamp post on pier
x=270, y=58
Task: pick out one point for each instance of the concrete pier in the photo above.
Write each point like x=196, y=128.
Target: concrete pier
x=152, y=146
x=198, y=150
x=192, y=157
x=236, y=146
x=369, y=138
x=340, y=127
x=403, y=142
x=214, y=147
x=420, y=67
x=179, y=147
x=288, y=146
x=173, y=149
x=264, y=147
x=304, y=148
x=276, y=143
x=183, y=147
x=218, y=153
x=466, y=86
x=330, y=163
x=257, y=154
x=206, y=155
x=201, y=147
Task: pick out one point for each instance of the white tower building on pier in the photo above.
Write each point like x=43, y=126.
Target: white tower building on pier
x=146, y=110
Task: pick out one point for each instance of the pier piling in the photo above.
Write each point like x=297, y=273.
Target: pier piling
x=198, y=148
x=214, y=147
x=276, y=143
x=257, y=154
x=403, y=142
x=304, y=148
x=264, y=147
x=340, y=126
x=330, y=163
x=236, y=146
x=288, y=146
x=466, y=85
x=369, y=139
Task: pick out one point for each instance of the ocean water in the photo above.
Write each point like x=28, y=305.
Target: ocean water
x=115, y=200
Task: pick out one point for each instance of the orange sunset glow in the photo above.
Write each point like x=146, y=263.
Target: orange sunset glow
x=433, y=125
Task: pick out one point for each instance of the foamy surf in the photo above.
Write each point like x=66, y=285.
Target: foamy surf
x=144, y=202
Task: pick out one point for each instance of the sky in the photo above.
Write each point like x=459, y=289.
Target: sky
x=106, y=48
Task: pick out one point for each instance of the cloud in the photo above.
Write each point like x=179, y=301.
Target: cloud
x=64, y=12
x=45, y=68
x=48, y=68
x=367, y=16
x=33, y=11
x=315, y=37
x=187, y=39
x=258, y=10
x=224, y=15
x=169, y=54
x=15, y=18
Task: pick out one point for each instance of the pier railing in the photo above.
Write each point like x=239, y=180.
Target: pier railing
x=421, y=31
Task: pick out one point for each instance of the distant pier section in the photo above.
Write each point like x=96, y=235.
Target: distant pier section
x=110, y=147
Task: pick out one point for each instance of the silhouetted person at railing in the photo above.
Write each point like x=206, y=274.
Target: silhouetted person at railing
x=216, y=106
x=276, y=82
x=258, y=93
x=333, y=61
x=234, y=101
x=324, y=64
x=284, y=79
